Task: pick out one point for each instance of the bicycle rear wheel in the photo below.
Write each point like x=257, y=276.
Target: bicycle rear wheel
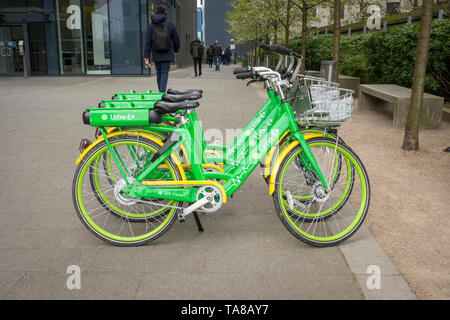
x=105, y=211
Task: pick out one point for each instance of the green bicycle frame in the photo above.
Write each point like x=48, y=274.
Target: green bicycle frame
x=252, y=144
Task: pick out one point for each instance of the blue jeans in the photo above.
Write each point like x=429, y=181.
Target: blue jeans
x=162, y=75
x=217, y=62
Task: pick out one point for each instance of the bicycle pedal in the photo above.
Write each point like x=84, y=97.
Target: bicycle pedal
x=181, y=218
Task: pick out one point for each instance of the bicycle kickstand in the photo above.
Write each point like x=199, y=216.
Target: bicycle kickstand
x=197, y=220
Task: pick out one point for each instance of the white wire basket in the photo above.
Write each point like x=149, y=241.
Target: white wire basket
x=329, y=106
x=316, y=81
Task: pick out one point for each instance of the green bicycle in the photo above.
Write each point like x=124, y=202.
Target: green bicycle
x=150, y=175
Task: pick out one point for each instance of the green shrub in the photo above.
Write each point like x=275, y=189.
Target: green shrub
x=387, y=56
x=355, y=66
x=317, y=49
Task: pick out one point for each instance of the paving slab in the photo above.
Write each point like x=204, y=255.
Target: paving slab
x=244, y=252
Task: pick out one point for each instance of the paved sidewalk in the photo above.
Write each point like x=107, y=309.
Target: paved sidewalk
x=244, y=253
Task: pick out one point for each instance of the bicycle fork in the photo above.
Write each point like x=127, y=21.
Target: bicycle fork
x=307, y=158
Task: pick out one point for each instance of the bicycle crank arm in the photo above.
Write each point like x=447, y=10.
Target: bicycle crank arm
x=193, y=207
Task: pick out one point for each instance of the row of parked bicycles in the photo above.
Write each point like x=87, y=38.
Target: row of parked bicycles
x=150, y=165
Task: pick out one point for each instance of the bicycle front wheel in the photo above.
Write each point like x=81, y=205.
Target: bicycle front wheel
x=329, y=216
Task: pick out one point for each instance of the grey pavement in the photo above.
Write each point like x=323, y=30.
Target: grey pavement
x=244, y=253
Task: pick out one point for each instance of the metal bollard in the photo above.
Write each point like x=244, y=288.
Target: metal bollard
x=328, y=70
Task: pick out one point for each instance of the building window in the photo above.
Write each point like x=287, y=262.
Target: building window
x=83, y=36
x=35, y=3
x=70, y=33
x=393, y=8
x=14, y=3
x=98, y=56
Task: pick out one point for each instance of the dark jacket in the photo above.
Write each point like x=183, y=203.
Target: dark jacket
x=217, y=50
x=200, y=49
x=162, y=56
x=210, y=52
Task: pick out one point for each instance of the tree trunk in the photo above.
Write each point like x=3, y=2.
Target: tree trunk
x=411, y=139
x=275, y=24
x=286, y=36
x=288, y=24
x=255, y=53
x=304, y=33
x=336, y=35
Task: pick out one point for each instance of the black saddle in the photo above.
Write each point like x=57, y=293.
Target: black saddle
x=177, y=92
x=181, y=97
x=172, y=107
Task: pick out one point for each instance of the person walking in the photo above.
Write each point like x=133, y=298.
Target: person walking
x=217, y=52
x=222, y=57
x=162, y=42
x=210, y=55
x=228, y=55
x=197, y=51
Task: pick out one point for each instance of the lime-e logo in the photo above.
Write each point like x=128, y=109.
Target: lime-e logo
x=122, y=117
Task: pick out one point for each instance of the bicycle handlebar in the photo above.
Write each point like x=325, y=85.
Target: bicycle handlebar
x=244, y=75
x=240, y=70
x=264, y=46
x=279, y=49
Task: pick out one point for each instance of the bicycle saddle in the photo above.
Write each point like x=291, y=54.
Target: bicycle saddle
x=172, y=107
x=181, y=97
x=173, y=91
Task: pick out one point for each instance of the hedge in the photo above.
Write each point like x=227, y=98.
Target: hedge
x=386, y=56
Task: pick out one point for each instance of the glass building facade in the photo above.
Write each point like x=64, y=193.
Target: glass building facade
x=84, y=37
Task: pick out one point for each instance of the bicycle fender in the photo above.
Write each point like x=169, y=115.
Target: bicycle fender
x=269, y=156
x=281, y=157
x=183, y=149
x=111, y=135
x=146, y=135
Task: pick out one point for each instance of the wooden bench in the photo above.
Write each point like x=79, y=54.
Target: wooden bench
x=397, y=97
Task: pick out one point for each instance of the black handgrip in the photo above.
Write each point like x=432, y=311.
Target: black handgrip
x=86, y=117
x=281, y=50
x=244, y=75
x=285, y=51
x=239, y=70
x=264, y=46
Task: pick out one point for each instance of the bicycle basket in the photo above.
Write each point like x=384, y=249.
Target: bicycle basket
x=330, y=106
x=315, y=81
x=299, y=98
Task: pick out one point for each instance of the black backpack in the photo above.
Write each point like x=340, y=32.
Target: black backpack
x=161, y=38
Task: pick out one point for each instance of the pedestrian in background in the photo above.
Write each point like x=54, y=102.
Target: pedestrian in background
x=197, y=51
x=228, y=55
x=162, y=42
x=222, y=56
x=217, y=52
x=210, y=55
